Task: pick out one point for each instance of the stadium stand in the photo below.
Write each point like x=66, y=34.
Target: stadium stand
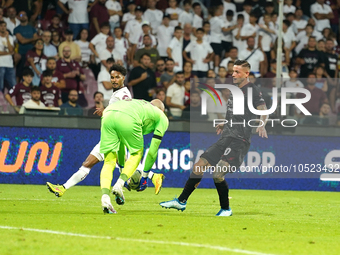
x=310, y=39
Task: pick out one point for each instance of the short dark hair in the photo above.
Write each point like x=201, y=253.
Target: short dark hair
x=179, y=72
x=240, y=16
x=310, y=25
x=233, y=48
x=27, y=72
x=35, y=88
x=147, y=35
x=178, y=28
x=186, y=2
x=169, y=59
x=252, y=15
x=269, y=4
x=195, y=5
x=47, y=73
x=51, y=58
x=118, y=68
x=67, y=32
x=311, y=74
x=2, y=22
x=206, y=23
x=312, y=37
x=231, y=62
x=319, y=66
x=105, y=24
x=117, y=28
x=110, y=60
x=144, y=54
x=200, y=29
x=286, y=22
x=56, y=16
x=159, y=90
x=243, y=63
x=97, y=92
x=290, y=14
x=229, y=13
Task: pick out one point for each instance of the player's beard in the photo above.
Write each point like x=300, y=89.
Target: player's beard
x=118, y=88
x=238, y=81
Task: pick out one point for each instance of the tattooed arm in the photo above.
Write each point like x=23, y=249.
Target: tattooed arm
x=262, y=130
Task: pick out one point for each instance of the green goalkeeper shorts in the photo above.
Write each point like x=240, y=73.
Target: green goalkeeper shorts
x=118, y=127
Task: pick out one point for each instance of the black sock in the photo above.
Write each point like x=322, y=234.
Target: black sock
x=189, y=187
x=223, y=193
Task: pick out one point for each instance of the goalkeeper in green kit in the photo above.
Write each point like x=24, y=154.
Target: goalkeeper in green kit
x=126, y=122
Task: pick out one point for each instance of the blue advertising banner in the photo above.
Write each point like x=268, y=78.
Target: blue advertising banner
x=38, y=155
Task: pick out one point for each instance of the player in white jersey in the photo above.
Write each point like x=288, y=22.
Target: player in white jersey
x=120, y=92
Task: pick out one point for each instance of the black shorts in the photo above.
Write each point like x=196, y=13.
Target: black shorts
x=226, y=46
x=217, y=48
x=228, y=149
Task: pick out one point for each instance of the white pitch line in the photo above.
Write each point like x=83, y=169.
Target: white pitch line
x=213, y=247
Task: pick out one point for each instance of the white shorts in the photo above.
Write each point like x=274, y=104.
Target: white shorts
x=96, y=152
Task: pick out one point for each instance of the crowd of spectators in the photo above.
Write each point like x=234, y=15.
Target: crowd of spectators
x=52, y=47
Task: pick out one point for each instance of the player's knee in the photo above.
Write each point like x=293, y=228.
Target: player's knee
x=110, y=158
x=197, y=169
x=138, y=153
x=89, y=163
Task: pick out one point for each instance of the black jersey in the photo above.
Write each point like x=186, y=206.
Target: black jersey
x=242, y=130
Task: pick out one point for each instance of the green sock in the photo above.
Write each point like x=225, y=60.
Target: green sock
x=123, y=177
x=105, y=191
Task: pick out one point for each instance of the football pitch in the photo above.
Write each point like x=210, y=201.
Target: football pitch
x=34, y=221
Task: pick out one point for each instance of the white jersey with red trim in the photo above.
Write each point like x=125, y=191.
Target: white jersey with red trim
x=120, y=94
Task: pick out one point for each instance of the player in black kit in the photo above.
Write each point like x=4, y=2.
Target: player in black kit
x=228, y=152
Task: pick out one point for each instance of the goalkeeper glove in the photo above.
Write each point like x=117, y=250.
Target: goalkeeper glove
x=143, y=184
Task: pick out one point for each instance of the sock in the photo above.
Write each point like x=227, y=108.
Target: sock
x=223, y=193
x=216, y=69
x=150, y=175
x=77, y=177
x=131, y=165
x=105, y=191
x=189, y=187
x=106, y=173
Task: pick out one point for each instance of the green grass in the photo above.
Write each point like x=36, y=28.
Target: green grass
x=269, y=222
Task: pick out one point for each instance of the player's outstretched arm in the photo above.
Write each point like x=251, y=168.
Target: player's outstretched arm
x=156, y=140
x=262, y=130
x=150, y=160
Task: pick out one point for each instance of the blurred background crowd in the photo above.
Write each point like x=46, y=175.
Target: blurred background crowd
x=58, y=53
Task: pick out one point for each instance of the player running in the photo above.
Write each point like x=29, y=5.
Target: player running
x=125, y=122
x=230, y=149
x=120, y=92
